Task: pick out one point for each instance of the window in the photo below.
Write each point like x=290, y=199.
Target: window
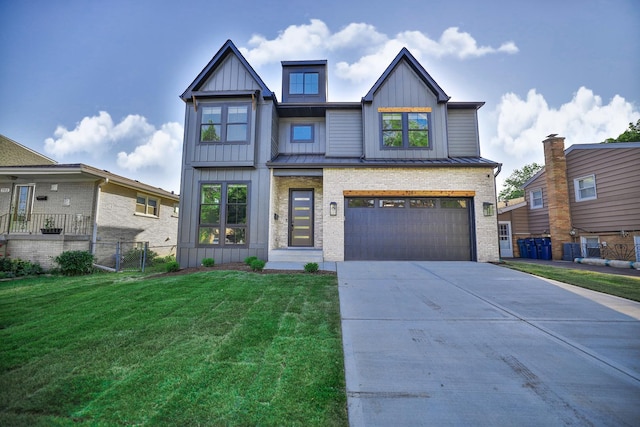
x=405, y=129
x=224, y=123
x=223, y=206
x=585, y=188
x=303, y=83
x=453, y=203
x=147, y=205
x=535, y=197
x=590, y=246
x=361, y=203
x=301, y=133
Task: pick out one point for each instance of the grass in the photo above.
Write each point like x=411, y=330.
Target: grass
x=612, y=284
x=211, y=348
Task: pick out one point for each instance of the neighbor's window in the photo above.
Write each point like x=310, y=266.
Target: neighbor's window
x=535, y=197
x=303, y=83
x=301, y=133
x=223, y=206
x=405, y=129
x=224, y=123
x=147, y=205
x=585, y=188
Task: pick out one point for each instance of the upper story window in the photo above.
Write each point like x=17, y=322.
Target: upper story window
x=224, y=123
x=405, y=127
x=585, y=188
x=301, y=133
x=303, y=83
x=147, y=205
x=535, y=197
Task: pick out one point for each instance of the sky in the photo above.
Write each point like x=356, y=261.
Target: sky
x=98, y=82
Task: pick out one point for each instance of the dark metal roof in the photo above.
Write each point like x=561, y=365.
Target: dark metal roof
x=303, y=63
x=226, y=49
x=320, y=160
x=422, y=73
x=451, y=105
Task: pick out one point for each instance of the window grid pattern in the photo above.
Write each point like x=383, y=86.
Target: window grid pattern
x=224, y=123
x=230, y=215
x=405, y=130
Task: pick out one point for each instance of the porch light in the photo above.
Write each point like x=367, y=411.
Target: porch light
x=487, y=209
x=333, y=209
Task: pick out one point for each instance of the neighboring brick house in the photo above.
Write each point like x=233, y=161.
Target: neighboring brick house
x=47, y=208
x=586, y=199
x=396, y=175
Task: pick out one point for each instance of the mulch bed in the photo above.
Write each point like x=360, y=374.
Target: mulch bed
x=240, y=266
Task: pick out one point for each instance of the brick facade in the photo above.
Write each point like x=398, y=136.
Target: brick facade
x=479, y=180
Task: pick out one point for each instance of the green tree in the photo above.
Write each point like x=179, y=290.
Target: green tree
x=630, y=135
x=512, y=188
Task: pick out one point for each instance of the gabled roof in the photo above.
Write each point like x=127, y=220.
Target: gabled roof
x=405, y=55
x=14, y=153
x=227, y=49
x=82, y=171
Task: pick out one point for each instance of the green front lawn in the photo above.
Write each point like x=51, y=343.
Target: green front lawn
x=612, y=284
x=211, y=348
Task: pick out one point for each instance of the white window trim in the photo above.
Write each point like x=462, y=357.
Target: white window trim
x=531, y=198
x=576, y=186
x=583, y=245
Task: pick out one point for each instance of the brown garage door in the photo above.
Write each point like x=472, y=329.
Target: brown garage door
x=437, y=229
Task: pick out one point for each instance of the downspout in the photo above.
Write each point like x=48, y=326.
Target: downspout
x=96, y=210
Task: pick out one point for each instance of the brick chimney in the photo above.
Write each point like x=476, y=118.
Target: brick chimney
x=555, y=170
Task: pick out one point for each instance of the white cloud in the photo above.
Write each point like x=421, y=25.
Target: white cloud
x=91, y=135
x=376, y=49
x=522, y=124
x=145, y=153
x=162, y=149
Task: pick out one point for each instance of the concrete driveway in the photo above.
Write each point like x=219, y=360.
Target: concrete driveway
x=464, y=343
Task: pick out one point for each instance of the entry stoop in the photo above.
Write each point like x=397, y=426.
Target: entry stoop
x=303, y=255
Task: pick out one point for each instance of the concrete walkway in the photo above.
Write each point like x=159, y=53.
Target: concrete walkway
x=463, y=343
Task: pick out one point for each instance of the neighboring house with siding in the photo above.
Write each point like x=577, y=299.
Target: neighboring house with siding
x=47, y=208
x=395, y=175
x=593, y=201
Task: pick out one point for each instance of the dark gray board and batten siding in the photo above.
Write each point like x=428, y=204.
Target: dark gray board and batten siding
x=344, y=133
x=462, y=127
x=617, y=173
x=403, y=88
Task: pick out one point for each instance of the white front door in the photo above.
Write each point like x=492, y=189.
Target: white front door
x=506, y=243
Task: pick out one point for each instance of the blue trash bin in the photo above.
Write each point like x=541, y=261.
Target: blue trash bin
x=522, y=246
x=547, y=254
x=532, y=249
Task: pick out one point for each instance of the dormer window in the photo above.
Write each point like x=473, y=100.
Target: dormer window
x=303, y=83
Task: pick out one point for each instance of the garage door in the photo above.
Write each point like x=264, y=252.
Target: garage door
x=437, y=229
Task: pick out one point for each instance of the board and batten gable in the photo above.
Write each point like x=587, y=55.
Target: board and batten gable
x=462, y=130
x=617, y=175
x=404, y=88
x=344, y=133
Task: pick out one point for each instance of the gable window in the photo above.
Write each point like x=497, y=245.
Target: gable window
x=301, y=133
x=405, y=129
x=303, y=83
x=535, y=198
x=585, y=188
x=223, y=214
x=147, y=205
x=225, y=123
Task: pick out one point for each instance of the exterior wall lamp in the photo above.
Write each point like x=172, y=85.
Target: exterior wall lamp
x=333, y=209
x=487, y=209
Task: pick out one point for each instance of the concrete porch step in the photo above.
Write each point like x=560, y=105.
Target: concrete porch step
x=303, y=255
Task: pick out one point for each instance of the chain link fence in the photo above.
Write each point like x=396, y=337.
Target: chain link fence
x=129, y=256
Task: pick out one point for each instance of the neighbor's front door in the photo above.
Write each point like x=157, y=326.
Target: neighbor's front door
x=506, y=247
x=301, y=218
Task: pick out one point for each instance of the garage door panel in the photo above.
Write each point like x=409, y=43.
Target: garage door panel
x=408, y=233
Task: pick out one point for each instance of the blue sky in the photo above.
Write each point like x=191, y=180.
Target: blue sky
x=98, y=82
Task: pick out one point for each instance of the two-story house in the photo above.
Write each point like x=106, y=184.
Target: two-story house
x=396, y=175
x=586, y=200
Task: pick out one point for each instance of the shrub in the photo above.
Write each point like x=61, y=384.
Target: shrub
x=311, y=267
x=10, y=268
x=208, y=262
x=250, y=259
x=257, y=265
x=172, y=266
x=75, y=263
